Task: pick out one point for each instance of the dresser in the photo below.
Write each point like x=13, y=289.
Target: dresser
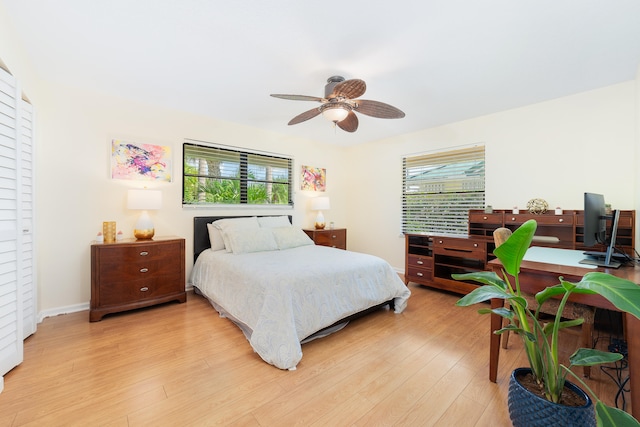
x=336, y=238
x=136, y=273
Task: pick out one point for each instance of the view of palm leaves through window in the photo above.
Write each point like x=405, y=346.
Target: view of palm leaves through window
x=217, y=175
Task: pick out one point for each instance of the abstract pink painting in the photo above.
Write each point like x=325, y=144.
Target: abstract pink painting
x=130, y=160
x=314, y=179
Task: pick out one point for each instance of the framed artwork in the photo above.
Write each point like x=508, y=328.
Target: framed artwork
x=313, y=179
x=146, y=162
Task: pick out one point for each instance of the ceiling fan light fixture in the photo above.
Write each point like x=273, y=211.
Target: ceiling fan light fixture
x=335, y=113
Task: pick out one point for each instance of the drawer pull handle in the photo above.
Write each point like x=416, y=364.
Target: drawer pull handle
x=334, y=236
x=475, y=245
x=561, y=219
x=144, y=289
x=419, y=262
x=440, y=241
x=144, y=253
x=144, y=270
x=485, y=218
x=513, y=219
x=419, y=274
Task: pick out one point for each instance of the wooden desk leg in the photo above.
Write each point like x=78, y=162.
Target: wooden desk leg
x=494, y=348
x=633, y=348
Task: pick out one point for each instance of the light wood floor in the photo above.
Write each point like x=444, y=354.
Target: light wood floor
x=181, y=365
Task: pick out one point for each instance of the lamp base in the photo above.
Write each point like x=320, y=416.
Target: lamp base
x=320, y=224
x=144, y=234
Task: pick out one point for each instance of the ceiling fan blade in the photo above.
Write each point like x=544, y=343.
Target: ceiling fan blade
x=349, y=123
x=378, y=109
x=304, y=116
x=350, y=89
x=297, y=97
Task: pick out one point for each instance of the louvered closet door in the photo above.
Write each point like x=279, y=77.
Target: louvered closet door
x=11, y=318
x=26, y=212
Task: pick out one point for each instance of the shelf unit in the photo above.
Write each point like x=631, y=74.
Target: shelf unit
x=419, y=258
x=430, y=260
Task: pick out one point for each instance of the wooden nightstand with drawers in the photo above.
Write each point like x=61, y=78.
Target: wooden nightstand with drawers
x=336, y=238
x=136, y=273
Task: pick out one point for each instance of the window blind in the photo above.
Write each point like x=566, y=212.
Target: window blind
x=224, y=175
x=439, y=189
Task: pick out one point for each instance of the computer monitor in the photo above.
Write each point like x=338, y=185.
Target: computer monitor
x=595, y=231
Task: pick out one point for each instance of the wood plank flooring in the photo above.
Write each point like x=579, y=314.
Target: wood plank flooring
x=183, y=365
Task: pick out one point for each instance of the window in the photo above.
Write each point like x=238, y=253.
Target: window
x=230, y=176
x=438, y=189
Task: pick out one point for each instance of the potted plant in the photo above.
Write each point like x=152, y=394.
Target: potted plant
x=541, y=341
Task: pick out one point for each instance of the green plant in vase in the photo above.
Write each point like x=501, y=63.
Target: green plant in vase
x=541, y=341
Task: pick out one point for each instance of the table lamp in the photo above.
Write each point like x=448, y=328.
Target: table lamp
x=144, y=200
x=320, y=204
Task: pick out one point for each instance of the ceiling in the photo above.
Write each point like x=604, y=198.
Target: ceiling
x=439, y=61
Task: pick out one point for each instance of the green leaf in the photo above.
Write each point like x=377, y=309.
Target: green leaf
x=483, y=293
x=512, y=251
x=607, y=416
x=484, y=277
x=622, y=293
x=591, y=357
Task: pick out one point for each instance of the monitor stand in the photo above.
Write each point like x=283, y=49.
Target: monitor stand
x=600, y=261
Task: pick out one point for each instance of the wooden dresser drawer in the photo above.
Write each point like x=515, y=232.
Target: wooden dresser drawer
x=565, y=219
x=419, y=261
x=418, y=274
x=139, y=253
x=459, y=247
x=131, y=291
x=336, y=238
x=489, y=218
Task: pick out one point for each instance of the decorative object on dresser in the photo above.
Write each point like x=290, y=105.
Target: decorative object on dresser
x=537, y=206
x=144, y=200
x=335, y=238
x=320, y=204
x=133, y=274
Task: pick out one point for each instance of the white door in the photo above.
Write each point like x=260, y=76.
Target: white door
x=27, y=218
x=11, y=318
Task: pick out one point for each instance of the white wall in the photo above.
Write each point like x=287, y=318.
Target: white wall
x=554, y=150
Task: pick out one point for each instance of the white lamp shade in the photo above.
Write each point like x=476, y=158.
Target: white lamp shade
x=144, y=199
x=320, y=203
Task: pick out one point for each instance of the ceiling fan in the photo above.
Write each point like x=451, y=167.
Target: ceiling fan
x=339, y=104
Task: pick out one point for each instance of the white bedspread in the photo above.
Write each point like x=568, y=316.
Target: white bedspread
x=284, y=296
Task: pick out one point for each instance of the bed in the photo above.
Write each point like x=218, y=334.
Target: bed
x=281, y=289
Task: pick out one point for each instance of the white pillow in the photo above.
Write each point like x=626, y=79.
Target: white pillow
x=215, y=237
x=291, y=237
x=227, y=224
x=244, y=240
x=274, y=221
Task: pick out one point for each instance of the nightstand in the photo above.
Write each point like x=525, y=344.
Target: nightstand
x=336, y=238
x=136, y=273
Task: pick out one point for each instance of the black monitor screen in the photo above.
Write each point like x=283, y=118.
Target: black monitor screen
x=595, y=222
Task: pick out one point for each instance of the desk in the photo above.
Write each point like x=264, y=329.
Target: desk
x=535, y=276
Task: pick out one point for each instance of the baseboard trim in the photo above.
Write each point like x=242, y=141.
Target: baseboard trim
x=62, y=310
x=74, y=308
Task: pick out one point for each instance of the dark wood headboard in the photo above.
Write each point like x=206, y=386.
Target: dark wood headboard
x=201, y=240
